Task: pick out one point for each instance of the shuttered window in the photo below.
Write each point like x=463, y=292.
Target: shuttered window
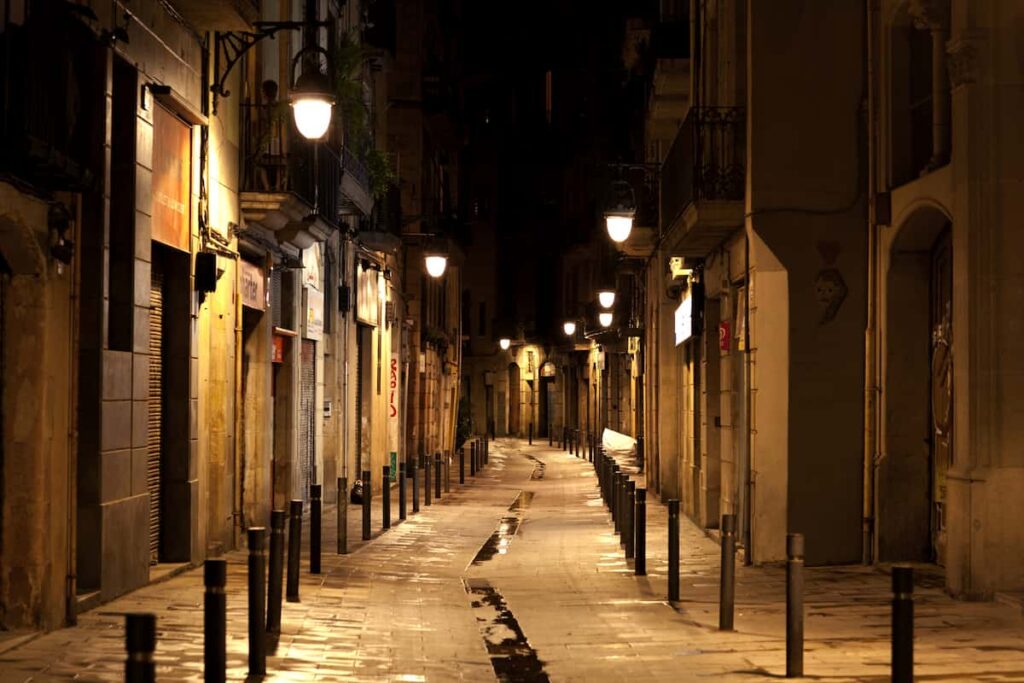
x=155, y=410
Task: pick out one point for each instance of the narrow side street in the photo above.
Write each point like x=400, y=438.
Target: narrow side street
x=518, y=576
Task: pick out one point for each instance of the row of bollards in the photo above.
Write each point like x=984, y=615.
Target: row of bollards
x=266, y=574
x=627, y=504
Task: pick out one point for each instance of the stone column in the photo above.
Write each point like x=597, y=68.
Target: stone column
x=933, y=16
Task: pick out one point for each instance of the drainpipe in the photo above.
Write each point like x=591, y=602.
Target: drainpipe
x=239, y=472
x=870, y=338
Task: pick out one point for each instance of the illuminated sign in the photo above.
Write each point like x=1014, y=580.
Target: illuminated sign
x=684, y=320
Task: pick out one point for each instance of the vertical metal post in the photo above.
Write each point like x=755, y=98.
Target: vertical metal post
x=342, y=530
x=640, y=452
x=727, y=585
x=414, y=474
x=294, y=550
x=437, y=475
x=531, y=434
x=628, y=536
x=551, y=435
x=257, y=601
x=794, y=605
x=446, y=460
x=315, y=511
x=902, y=624
x=275, y=572
x=140, y=643
x=487, y=450
x=620, y=488
x=385, y=492
x=401, y=490
x=565, y=439
x=472, y=458
x=673, y=550
x=426, y=480
x=613, y=498
x=640, y=521
x=367, y=511
x=462, y=464
x=215, y=620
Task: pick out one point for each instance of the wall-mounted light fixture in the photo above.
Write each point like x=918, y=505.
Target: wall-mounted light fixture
x=605, y=319
x=606, y=297
x=504, y=343
x=569, y=327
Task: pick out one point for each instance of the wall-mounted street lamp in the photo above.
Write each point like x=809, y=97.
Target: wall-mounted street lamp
x=311, y=98
x=504, y=343
x=620, y=211
x=605, y=319
x=569, y=327
x=606, y=297
x=436, y=264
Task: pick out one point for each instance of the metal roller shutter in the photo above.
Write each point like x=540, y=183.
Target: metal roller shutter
x=307, y=415
x=154, y=423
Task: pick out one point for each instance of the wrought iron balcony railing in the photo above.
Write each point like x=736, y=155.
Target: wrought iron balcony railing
x=707, y=161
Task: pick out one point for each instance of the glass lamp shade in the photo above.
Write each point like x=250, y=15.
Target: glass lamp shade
x=312, y=115
x=436, y=265
x=606, y=298
x=569, y=328
x=605, y=319
x=504, y=344
x=619, y=227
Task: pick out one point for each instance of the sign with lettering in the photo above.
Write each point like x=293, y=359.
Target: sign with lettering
x=367, y=296
x=684, y=320
x=172, y=180
x=253, y=286
x=314, y=328
x=724, y=336
x=277, y=351
x=394, y=380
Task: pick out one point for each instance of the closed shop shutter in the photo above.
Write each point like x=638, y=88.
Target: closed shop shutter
x=275, y=298
x=307, y=415
x=359, y=400
x=155, y=415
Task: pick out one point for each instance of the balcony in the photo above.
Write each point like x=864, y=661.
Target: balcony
x=219, y=15
x=703, y=179
x=288, y=182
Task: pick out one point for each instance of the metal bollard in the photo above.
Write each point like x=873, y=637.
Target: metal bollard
x=628, y=535
x=446, y=465
x=640, y=520
x=902, y=624
x=140, y=643
x=215, y=621
x=472, y=458
x=294, y=550
x=620, y=486
x=727, y=585
x=551, y=435
x=385, y=492
x=414, y=474
x=613, y=500
x=275, y=572
x=315, y=512
x=426, y=480
x=437, y=475
x=367, y=511
x=673, y=550
x=794, y=605
x=565, y=439
x=401, y=490
x=342, y=530
x=462, y=464
x=257, y=601
x=640, y=452
x=487, y=450
x=531, y=434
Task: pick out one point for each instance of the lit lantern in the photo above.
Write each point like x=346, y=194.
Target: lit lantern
x=436, y=264
x=312, y=101
x=620, y=211
x=569, y=327
x=606, y=297
x=504, y=344
x=605, y=319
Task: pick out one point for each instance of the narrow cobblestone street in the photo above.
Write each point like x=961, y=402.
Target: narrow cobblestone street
x=525, y=552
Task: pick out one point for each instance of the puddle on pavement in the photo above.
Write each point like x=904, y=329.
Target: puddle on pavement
x=511, y=656
x=521, y=502
x=499, y=541
x=538, y=467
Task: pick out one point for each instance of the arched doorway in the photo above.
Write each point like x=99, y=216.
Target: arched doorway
x=918, y=393
x=514, y=399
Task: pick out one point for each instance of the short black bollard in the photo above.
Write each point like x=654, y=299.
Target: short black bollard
x=472, y=458
x=426, y=480
x=414, y=474
x=794, y=605
x=385, y=492
x=275, y=572
x=531, y=434
x=613, y=499
x=620, y=487
x=215, y=621
x=367, y=512
x=437, y=475
x=727, y=585
x=551, y=435
x=315, y=512
x=401, y=490
x=446, y=467
x=640, y=526
x=140, y=643
x=628, y=536
x=902, y=624
x=342, y=530
x=294, y=550
x=257, y=601
x=565, y=439
x=673, y=550
x=640, y=452
x=462, y=464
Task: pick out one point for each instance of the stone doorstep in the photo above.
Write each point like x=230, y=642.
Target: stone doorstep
x=158, y=573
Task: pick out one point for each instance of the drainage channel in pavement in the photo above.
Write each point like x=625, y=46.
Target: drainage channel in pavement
x=512, y=657
x=499, y=541
x=538, y=467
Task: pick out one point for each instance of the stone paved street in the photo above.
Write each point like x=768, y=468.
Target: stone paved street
x=526, y=549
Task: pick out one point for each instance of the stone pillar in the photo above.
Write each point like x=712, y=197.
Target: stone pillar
x=933, y=16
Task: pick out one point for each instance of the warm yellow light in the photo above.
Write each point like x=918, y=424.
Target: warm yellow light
x=436, y=265
x=570, y=328
x=619, y=227
x=605, y=319
x=606, y=297
x=504, y=344
x=312, y=115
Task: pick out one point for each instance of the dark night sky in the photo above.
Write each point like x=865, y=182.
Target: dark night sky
x=547, y=175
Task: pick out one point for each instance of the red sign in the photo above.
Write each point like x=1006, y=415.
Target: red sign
x=277, y=355
x=172, y=178
x=724, y=336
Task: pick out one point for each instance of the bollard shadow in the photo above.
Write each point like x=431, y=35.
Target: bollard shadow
x=255, y=678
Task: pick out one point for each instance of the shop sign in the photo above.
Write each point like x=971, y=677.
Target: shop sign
x=277, y=351
x=253, y=286
x=724, y=336
x=314, y=328
x=367, y=296
x=312, y=266
x=684, y=320
x=393, y=416
x=547, y=370
x=172, y=178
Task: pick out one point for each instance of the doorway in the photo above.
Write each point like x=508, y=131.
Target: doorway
x=514, y=399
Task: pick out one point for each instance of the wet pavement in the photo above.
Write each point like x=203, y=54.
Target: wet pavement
x=518, y=576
